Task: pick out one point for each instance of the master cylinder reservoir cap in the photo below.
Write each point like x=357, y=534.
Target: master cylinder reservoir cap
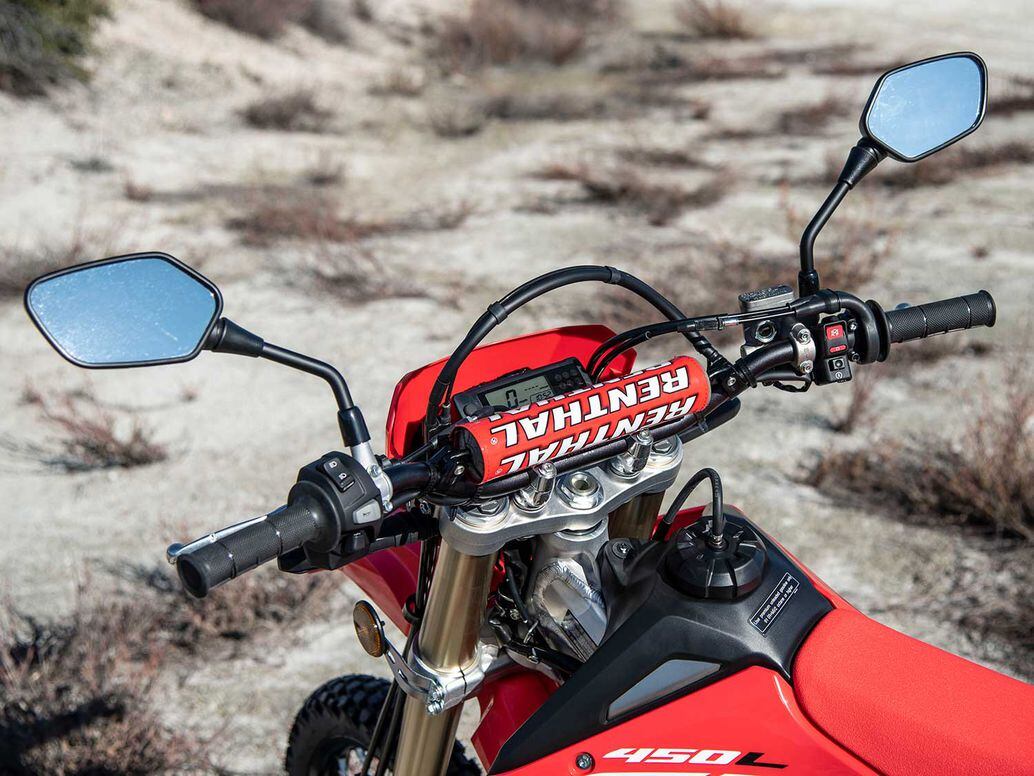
x=696, y=567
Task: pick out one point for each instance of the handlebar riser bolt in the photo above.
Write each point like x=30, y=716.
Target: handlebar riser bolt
x=803, y=336
x=533, y=496
x=584, y=761
x=806, y=367
x=633, y=460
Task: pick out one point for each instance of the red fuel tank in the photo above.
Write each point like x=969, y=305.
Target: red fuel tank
x=511, y=441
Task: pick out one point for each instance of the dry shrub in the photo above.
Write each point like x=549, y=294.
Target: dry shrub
x=812, y=118
x=859, y=407
x=499, y=32
x=986, y=482
x=42, y=42
x=325, y=171
x=263, y=18
x=400, y=82
x=329, y=19
x=355, y=275
x=852, y=248
x=628, y=102
x=543, y=106
x=989, y=600
x=946, y=166
x=18, y=267
x=76, y=697
x=1018, y=97
x=802, y=120
x=89, y=437
x=241, y=609
x=848, y=67
x=713, y=68
x=580, y=10
x=93, y=164
x=624, y=185
x=268, y=19
x=137, y=192
x=714, y=19
x=294, y=111
x=650, y=156
x=269, y=216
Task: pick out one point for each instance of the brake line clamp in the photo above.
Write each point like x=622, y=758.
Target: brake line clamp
x=804, y=348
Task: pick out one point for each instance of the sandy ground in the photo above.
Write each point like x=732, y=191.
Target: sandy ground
x=162, y=112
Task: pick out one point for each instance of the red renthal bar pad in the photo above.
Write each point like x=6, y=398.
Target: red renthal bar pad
x=511, y=441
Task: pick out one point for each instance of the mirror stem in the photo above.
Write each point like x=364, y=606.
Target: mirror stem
x=228, y=337
x=863, y=159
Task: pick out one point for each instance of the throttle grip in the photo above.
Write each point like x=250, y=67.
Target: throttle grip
x=924, y=320
x=229, y=554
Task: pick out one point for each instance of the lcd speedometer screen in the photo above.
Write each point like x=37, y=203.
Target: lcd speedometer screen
x=513, y=396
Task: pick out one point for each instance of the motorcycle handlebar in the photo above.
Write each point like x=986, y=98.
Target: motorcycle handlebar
x=227, y=554
x=924, y=320
x=222, y=556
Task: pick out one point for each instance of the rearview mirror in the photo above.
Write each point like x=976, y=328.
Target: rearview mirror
x=137, y=310
x=920, y=108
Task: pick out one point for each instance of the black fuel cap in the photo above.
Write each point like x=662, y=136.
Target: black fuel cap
x=700, y=567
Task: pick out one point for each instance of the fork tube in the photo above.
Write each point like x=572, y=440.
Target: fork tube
x=447, y=642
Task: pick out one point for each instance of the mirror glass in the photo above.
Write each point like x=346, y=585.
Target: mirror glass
x=143, y=309
x=920, y=108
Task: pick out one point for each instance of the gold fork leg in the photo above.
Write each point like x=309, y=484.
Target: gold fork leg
x=447, y=642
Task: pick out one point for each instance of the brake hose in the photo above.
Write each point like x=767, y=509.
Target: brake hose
x=498, y=311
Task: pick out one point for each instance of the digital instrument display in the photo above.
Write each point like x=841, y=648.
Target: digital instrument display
x=522, y=387
x=519, y=394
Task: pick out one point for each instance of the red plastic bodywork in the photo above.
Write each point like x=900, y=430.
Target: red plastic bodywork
x=709, y=732
x=752, y=712
x=895, y=701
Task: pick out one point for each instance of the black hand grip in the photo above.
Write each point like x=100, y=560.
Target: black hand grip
x=255, y=543
x=924, y=320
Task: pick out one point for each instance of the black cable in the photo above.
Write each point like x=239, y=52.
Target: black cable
x=499, y=311
x=392, y=736
x=619, y=343
x=511, y=584
x=717, y=504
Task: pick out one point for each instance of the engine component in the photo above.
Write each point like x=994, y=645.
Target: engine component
x=565, y=594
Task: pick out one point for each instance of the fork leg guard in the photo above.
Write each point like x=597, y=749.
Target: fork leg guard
x=447, y=642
